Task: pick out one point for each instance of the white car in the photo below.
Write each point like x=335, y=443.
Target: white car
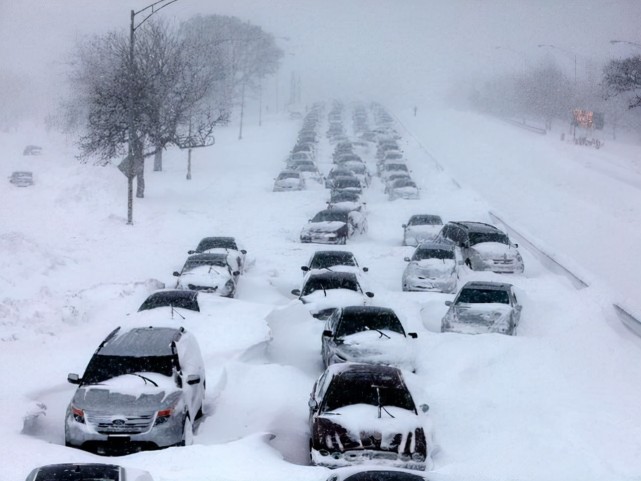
x=403, y=189
x=208, y=273
x=289, y=180
x=333, y=226
x=432, y=268
x=223, y=245
x=333, y=261
x=421, y=228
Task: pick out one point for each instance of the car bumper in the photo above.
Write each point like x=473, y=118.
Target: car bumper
x=417, y=284
x=366, y=456
x=330, y=238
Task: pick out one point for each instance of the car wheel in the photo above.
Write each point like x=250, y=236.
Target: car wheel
x=188, y=432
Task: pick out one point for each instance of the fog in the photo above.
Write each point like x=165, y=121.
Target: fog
x=407, y=53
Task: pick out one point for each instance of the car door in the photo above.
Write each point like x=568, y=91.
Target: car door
x=191, y=363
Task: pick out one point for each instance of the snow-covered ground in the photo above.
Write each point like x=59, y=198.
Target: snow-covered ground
x=560, y=401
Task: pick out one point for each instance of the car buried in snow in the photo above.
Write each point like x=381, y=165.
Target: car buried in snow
x=143, y=389
x=223, y=245
x=208, y=273
x=333, y=226
x=289, y=180
x=336, y=172
x=365, y=414
x=87, y=472
x=483, y=307
x=348, y=184
x=403, y=189
x=323, y=291
x=421, y=228
x=432, y=268
x=21, y=178
x=333, y=261
x=374, y=473
x=369, y=334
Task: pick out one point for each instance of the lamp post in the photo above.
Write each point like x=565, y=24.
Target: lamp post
x=131, y=134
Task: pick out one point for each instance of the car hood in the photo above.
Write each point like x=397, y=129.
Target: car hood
x=128, y=393
x=205, y=275
x=317, y=300
x=495, y=249
x=373, y=348
x=423, y=232
x=327, y=226
x=475, y=318
x=433, y=267
x=288, y=181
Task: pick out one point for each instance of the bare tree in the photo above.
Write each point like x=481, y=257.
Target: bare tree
x=624, y=76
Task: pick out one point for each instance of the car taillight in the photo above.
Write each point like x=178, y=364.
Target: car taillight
x=78, y=415
x=163, y=416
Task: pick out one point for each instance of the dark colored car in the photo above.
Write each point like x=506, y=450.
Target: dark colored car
x=364, y=413
x=87, y=472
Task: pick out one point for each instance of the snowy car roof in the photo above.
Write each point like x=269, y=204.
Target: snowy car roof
x=141, y=342
x=498, y=286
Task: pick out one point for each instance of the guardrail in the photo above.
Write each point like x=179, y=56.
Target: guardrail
x=629, y=320
x=525, y=125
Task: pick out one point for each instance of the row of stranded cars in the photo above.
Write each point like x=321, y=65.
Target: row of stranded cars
x=144, y=387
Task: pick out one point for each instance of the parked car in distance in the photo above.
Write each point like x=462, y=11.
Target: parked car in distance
x=369, y=334
x=208, y=273
x=482, y=307
x=483, y=247
x=324, y=291
x=433, y=267
x=143, y=389
x=403, y=189
x=32, y=150
x=289, y=180
x=333, y=261
x=365, y=414
x=87, y=472
x=421, y=228
x=223, y=245
x=21, y=178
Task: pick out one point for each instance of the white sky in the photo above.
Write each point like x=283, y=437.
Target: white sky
x=384, y=49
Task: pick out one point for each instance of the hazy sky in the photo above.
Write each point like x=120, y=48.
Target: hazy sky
x=396, y=50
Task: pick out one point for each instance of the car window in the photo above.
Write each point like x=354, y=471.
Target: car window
x=483, y=296
x=355, y=322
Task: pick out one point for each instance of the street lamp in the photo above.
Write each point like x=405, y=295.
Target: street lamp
x=154, y=7
x=568, y=52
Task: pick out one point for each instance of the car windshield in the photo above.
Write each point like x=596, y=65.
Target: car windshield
x=184, y=299
x=306, y=168
x=403, y=183
x=483, y=296
x=216, y=243
x=211, y=261
x=324, y=260
x=330, y=216
x=314, y=284
x=359, y=321
x=425, y=220
x=75, y=472
x=346, y=182
x=345, y=196
x=102, y=368
x=421, y=254
x=377, y=390
x=396, y=167
x=288, y=175
x=340, y=172
x=480, y=237
x=379, y=475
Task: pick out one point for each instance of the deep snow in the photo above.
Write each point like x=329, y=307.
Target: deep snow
x=560, y=401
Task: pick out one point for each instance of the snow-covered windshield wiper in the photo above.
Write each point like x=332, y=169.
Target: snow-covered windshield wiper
x=379, y=331
x=175, y=311
x=145, y=378
x=380, y=403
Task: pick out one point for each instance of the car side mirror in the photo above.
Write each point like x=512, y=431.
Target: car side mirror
x=407, y=259
x=296, y=292
x=516, y=246
x=365, y=269
x=313, y=404
x=191, y=252
x=243, y=251
x=193, y=379
x=369, y=294
x=73, y=378
x=424, y=408
x=176, y=274
x=327, y=333
x=304, y=268
x=236, y=273
x=413, y=335
x=448, y=303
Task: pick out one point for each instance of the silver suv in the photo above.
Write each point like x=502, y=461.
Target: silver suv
x=483, y=247
x=142, y=389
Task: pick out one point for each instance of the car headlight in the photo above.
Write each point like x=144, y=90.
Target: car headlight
x=78, y=414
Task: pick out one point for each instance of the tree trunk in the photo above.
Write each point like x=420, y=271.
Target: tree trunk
x=158, y=159
x=140, y=169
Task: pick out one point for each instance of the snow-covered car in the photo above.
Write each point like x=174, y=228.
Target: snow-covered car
x=433, y=267
x=143, y=388
x=310, y=172
x=223, y=245
x=208, y=273
x=365, y=414
x=333, y=226
x=393, y=168
x=421, y=228
x=482, y=307
x=333, y=261
x=175, y=298
x=324, y=291
x=391, y=178
x=403, y=189
x=368, y=334
x=350, y=184
x=344, y=199
x=299, y=156
x=289, y=180
x=359, y=169
x=21, y=178
x=336, y=172
x=374, y=473
x=32, y=150
x=87, y=472
x=483, y=247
